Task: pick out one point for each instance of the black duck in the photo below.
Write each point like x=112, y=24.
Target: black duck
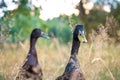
x=72, y=70
x=31, y=69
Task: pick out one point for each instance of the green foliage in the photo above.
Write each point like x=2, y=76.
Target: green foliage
x=65, y=35
x=95, y=18
x=4, y=31
x=116, y=72
x=16, y=25
x=20, y=22
x=104, y=76
x=115, y=12
x=59, y=28
x=2, y=77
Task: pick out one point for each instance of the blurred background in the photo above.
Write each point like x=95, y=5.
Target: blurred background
x=99, y=58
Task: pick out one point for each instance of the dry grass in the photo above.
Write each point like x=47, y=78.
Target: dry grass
x=99, y=60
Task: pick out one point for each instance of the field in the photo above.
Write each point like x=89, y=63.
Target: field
x=99, y=60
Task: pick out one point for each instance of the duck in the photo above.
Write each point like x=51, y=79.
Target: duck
x=31, y=68
x=72, y=70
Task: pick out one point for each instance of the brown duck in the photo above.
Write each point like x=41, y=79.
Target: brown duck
x=72, y=70
x=31, y=69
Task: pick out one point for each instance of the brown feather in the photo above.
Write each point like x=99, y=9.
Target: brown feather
x=31, y=68
x=72, y=70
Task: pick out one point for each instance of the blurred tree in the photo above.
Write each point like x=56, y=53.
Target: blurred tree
x=59, y=28
x=116, y=12
x=114, y=22
x=2, y=4
x=92, y=19
x=21, y=21
x=96, y=15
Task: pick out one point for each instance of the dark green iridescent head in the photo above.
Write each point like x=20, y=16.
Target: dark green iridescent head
x=36, y=33
x=79, y=33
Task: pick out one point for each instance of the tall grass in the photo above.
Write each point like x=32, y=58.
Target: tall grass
x=98, y=60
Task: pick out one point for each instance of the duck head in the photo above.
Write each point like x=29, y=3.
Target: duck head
x=36, y=33
x=79, y=33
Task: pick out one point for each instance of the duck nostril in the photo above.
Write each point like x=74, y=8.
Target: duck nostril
x=84, y=41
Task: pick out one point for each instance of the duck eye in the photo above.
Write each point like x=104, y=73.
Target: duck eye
x=80, y=33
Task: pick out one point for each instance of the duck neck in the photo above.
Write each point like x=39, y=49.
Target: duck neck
x=75, y=47
x=32, y=46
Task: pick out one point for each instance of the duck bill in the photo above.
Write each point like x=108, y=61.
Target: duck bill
x=84, y=40
x=44, y=35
